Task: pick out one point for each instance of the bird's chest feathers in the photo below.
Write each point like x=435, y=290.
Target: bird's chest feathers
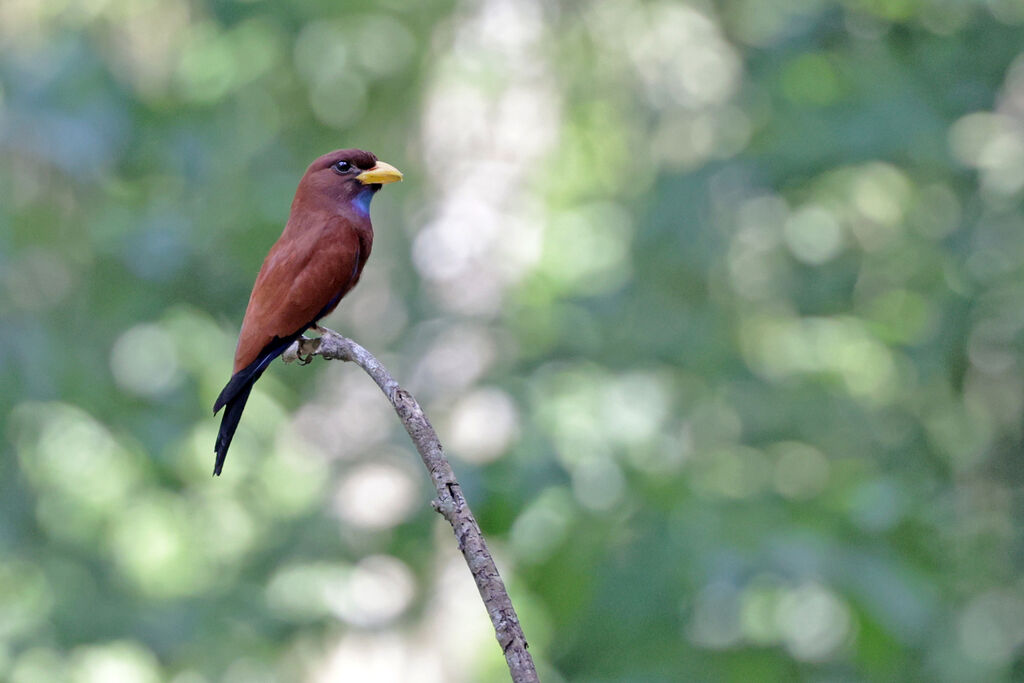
x=361, y=202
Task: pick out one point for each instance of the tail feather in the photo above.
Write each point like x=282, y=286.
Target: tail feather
x=229, y=424
x=236, y=393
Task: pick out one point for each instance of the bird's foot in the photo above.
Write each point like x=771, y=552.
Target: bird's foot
x=307, y=349
x=302, y=350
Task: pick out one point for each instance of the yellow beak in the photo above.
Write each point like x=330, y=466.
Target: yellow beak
x=381, y=173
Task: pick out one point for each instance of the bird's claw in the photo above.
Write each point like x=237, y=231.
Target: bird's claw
x=309, y=347
x=302, y=350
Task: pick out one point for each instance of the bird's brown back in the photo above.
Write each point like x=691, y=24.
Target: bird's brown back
x=303, y=277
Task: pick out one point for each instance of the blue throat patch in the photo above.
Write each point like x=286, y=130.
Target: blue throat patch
x=362, y=201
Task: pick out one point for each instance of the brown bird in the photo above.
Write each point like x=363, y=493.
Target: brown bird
x=314, y=263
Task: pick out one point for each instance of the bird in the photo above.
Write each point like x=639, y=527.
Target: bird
x=317, y=260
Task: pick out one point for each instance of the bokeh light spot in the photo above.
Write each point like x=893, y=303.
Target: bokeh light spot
x=484, y=423
x=543, y=525
x=991, y=629
x=813, y=235
x=117, y=662
x=801, y=471
x=815, y=622
x=376, y=496
x=144, y=361
x=378, y=589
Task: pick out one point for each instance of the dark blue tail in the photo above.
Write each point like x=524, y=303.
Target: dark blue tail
x=229, y=424
x=236, y=393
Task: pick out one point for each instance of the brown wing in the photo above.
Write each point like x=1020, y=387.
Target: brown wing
x=303, y=275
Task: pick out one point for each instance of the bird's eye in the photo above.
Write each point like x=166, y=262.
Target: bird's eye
x=342, y=167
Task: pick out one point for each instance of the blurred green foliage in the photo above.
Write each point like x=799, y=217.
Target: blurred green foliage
x=718, y=307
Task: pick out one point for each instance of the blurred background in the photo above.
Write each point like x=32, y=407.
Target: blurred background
x=717, y=306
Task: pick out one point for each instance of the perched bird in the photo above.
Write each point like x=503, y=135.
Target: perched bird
x=314, y=263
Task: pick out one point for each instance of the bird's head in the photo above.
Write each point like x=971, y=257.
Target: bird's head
x=349, y=177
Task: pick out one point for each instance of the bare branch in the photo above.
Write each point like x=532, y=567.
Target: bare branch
x=450, y=502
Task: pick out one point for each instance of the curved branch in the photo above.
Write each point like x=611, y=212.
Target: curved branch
x=450, y=502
